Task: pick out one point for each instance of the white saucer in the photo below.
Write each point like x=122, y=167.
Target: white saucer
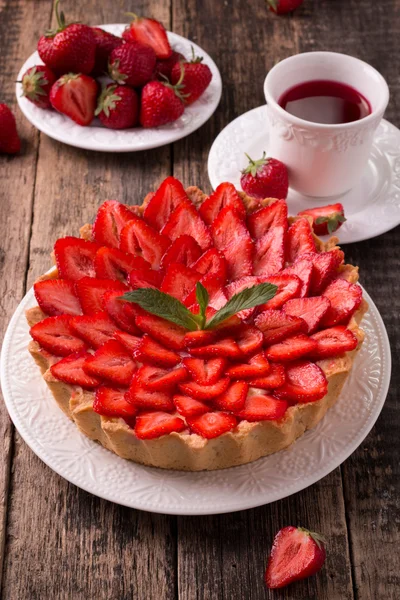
x=97, y=137
x=371, y=208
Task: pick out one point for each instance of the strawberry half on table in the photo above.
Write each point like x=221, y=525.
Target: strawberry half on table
x=9, y=138
x=281, y=7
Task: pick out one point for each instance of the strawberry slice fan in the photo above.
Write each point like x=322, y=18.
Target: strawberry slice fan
x=196, y=332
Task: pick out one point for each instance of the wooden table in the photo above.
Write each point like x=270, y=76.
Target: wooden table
x=58, y=542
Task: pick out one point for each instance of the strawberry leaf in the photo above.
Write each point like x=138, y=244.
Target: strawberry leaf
x=203, y=299
x=248, y=298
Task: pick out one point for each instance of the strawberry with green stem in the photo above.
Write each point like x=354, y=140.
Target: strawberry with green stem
x=162, y=103
x=326, y=219
x=265, y=178
x=196, y=77
x=36, y=85
x=132, y=64
x=118, y=107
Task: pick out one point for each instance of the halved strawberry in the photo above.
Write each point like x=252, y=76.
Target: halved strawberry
x=166, y=199
x=110, y=402
x=111, y=263
x=333, y=342
x=165, y=332
x=305, y=382
x=227, y=227
x=205, y=371
x=261, y=407
x=112, y=362
x=325, y=265
x=238, y=286
x=299, y=240
x=261, y=221
x=239, y=257
x=224, y=195
x=269, y=252
x=291, y=348
x=56, y=335
x=274, y=379
x=312, y=310
x=186, y=220
x=205, y=392
x=212, y=262
x=183, y=250
x=249, y=339
x=289, y=286
x=326, y=219
x=214, y=287
x=303, y=268
x=158, y=379
x=257, y=366
x=234, y=397
x=345, y=298
x=226, y=348
x=148, y=32
x=199, y=338
x=145, y=277
x=212, y=424
x=75, y=258
x=141, y=397
x=189, y=407
x=57, y=297
x=111, y=217
x=150, y=351
x=91, y=291
x=123, y=313
x=277, y=325
x=139, y=239
x=69, y=370
x=179, y=281
x=150, y=425
x=131, y=342
x=94, y=329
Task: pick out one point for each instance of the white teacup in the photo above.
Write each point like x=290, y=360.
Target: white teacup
x=323, y=160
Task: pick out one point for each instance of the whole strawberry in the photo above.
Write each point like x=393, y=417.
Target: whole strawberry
x=70, y=48
x=280, y=7
x=75, y=95
x=118, y=107
x=149, y=32
x=164, y=66
x=9, y=139
x=105, y=43
x=265, y=178
x=326, y=219
x=196, y=78
x=36, y=85
x=296, y=554
x=132, y=64
x=161, y=104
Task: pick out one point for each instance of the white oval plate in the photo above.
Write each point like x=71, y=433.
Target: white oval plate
x=58, y=442
x=372, y=207
x=97, y=137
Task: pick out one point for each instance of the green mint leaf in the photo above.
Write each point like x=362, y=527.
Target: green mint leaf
x=164, y=306
x=248, y=298
x=203, y=299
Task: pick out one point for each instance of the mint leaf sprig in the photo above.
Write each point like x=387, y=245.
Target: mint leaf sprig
x=167, y=307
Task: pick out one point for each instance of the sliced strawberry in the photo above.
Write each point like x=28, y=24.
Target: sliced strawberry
x=269, y=252
x=238, y=286
x=111, y=217
x=112, y=362
x=213, y=285
x=179, y=281
x=239, y=257
x=91, y=291
x=145, y=277
x=189, y=407
x=130, y=342
x=205, y=372
x=333, y=342
x=167, y=198
x=158, y=379
x=111, y=263
x=303, y=268
x=257, y=366
x=326, y=219
x=205, y=392
x=57, y=297
x=56, y=335
x=75, y=258
x=325, y=265
x=291, y=348
x=305, y=382
x=261, y=407
x=149, y=32
x=234, y=397
x=212, y=262
x=154, y=424
x=227, y=227
x=261, y=221
x=69, y=370
x=186, y=220
x=94, y=329
x=249, y=339
x=143, y=398
x=212, y=424
x=277, y=325
x=139, y=239
x=274, y=379
x=123, y=313
x=165, y=332
x=345, y=298
x=150, y=351
x=226, y=348
x=312, y=310
x=183, y=250
x=299, y=240
x=110, y=402
x=289, y=286
x=224, y=195
x=199, y=338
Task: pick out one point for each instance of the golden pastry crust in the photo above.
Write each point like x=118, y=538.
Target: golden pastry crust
x=191, y=452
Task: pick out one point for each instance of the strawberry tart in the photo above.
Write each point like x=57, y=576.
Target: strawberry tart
x=196, y=332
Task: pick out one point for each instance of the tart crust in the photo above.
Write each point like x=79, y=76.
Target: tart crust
x=186, y=451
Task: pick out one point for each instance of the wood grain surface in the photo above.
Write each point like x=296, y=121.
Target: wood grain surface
x=56, y=541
